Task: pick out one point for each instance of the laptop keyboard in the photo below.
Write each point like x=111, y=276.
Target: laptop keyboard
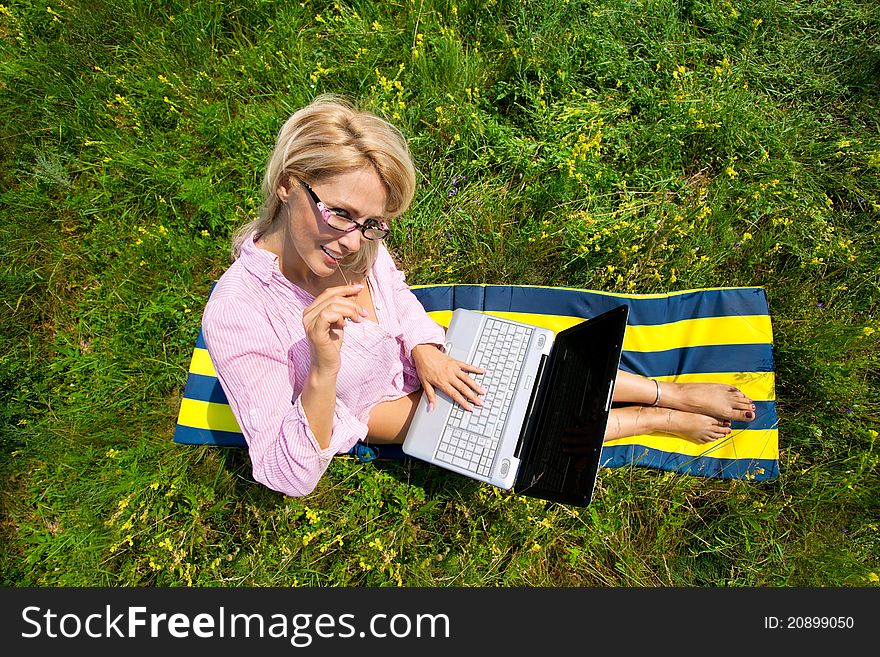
x=471, y=439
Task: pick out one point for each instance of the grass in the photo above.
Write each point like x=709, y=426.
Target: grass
x=629, y=146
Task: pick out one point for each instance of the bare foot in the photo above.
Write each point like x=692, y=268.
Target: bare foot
x=693, y=426
x=634, y=420
x=717, y=400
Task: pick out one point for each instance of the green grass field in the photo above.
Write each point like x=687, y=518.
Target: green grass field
x=620, y=145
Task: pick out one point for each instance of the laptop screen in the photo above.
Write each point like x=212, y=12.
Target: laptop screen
x=563, y=442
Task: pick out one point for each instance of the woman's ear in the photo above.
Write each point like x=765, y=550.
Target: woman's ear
x=283, y=189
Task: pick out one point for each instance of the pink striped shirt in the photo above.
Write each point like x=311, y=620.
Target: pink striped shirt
x=253, y=330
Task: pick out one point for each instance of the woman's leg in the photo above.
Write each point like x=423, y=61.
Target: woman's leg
x=713, y=399
x=699, y=411
x=389, y=421
x=636, y=420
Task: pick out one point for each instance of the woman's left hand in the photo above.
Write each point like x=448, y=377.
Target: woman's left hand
x=438, y=370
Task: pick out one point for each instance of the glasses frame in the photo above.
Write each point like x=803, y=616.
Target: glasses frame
x=368, y=224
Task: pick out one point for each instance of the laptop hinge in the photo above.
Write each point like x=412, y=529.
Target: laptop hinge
x=530, y=420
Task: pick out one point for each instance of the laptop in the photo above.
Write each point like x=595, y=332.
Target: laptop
x=545, y=392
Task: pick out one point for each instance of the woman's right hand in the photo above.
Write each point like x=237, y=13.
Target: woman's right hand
x=324, y=322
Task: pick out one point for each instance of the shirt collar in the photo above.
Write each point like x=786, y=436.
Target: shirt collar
x=263, y=265
x=259, y=262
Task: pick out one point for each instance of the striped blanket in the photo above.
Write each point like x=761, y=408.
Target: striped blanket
x=721, y=335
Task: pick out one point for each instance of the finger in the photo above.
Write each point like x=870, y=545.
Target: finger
x=323, y=300
x=431, y=395
x=457, y=397
x=321, y=322
x=465, y=393
x=473, y=385
x=473, y=395
x=344, y=306
x=340, y=313
x=326, y=321
x=469, y=389
x=467, y=367
x=331, y=317
x=327, y=298
x=341, y=290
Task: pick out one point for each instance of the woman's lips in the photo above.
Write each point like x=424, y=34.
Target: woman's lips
x=333, y=256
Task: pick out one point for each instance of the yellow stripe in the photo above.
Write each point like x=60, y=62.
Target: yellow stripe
x=743, y=444
x=207, y=415
x=442, y=317
x=758, y=386
x=755, y=385
x=201, y=363
x=734, y=329
x=555, y=323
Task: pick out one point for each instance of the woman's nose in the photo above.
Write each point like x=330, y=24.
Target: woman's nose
x=351, y=241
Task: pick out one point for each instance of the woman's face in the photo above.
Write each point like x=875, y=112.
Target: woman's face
x=312, y=249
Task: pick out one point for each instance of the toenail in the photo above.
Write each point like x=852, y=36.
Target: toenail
x=750, y=415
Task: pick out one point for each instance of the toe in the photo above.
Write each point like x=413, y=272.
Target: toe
x=739, y=396
x=741, y=415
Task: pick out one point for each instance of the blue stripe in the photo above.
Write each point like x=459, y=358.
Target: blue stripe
x=583, y=303
x=204, y=388
x=687, y=360
x=193, y=436
x=694, y=360
x=385, y=452
x=612, y=456
x=706, y=466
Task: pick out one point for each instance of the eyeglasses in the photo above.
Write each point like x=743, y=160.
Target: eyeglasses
x=372, y=229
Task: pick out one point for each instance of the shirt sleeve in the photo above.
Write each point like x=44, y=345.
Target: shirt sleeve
x=257, y=373
x=417, y=326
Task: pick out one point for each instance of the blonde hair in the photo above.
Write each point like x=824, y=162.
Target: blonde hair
x=326, y=138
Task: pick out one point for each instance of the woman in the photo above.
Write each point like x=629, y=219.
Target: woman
x=318, y=342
